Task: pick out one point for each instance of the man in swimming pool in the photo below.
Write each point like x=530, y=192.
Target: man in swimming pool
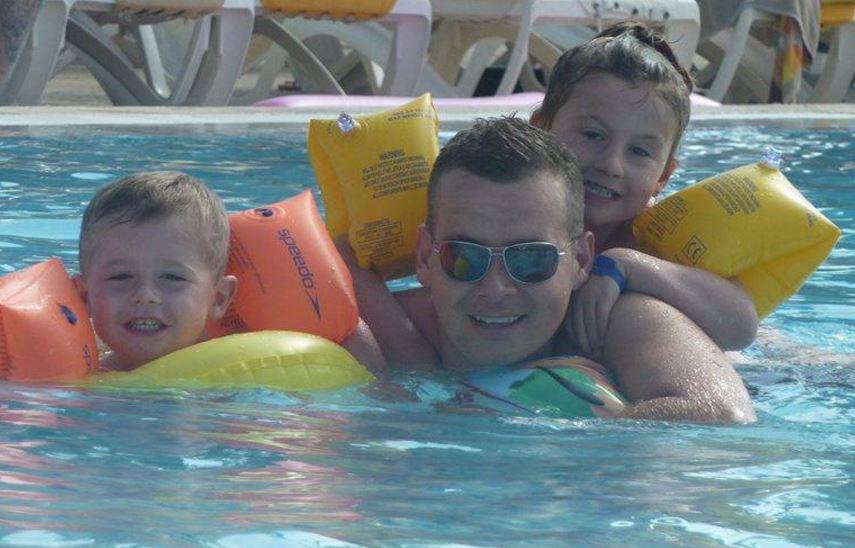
x=501, y=251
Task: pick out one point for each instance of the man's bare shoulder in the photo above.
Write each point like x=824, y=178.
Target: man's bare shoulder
x=662, y=358
x=418, y=306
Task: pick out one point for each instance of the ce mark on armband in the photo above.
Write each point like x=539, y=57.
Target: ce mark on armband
x=694, y=250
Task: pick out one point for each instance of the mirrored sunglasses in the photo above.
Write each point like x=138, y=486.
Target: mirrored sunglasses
x=525, y=263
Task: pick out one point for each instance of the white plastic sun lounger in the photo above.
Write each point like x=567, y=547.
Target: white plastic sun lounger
x=392, y=35
x=210, y=67
x=838, y=21
x=454, y=70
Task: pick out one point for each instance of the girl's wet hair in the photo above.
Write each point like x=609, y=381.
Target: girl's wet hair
x=632, y=51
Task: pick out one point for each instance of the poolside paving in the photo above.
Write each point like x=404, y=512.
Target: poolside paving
x=73, y=97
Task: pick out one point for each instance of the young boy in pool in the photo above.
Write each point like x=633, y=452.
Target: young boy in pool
x=153, y=254
x=620, y=102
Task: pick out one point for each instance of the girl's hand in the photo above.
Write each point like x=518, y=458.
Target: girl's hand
x=590, y=308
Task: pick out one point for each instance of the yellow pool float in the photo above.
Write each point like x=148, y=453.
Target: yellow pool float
x=279, y=360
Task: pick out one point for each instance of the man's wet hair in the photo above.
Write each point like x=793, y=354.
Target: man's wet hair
x=509, y=150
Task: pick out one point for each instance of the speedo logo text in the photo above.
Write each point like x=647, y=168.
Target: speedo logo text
x=307, y=278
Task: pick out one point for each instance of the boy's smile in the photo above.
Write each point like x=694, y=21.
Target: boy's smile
x=496, y=320
x=145, y=325
x=149, y=289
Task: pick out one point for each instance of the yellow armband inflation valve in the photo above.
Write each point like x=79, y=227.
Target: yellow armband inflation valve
x=373, y=173
x=750, y=223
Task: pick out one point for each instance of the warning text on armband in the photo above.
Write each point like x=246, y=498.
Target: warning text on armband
x=735, y=194
x=666, y=217
x=380, y=238
x=693, y=250
x=409, y=114
x=396, y=172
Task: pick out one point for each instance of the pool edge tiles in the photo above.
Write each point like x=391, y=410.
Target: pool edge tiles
x=452, y=118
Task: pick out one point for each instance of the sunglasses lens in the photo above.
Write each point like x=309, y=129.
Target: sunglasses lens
x=464, y=261
x=531, y=263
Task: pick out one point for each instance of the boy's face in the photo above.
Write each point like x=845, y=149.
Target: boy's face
x=150, y=290
x=496, y=320
x=622, y=136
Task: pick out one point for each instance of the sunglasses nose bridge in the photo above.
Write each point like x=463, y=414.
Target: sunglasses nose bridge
x=499, y=263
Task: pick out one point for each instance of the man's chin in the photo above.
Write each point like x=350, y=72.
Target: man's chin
x=491, y=358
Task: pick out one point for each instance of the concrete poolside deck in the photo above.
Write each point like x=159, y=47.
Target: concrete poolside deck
x=452, y=119
x=74, y=98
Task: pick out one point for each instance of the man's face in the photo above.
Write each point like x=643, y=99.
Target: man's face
x=497, y=320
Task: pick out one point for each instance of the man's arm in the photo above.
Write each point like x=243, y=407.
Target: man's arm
x=669, y=368
x=363, y=345
x=16, y=21
x=400, y=340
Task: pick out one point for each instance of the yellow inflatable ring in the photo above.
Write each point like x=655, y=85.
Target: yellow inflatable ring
x=278, y=360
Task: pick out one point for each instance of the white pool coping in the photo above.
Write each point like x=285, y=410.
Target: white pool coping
x=452, y=118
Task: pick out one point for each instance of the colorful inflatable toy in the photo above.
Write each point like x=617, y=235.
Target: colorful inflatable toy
x=564, y=386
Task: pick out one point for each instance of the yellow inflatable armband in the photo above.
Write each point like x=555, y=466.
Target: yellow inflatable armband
x=280, y=360
x=373, y=173
x=750, y=223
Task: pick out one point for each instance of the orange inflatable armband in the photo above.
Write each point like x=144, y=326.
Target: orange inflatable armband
x=45, y=333
x=290, y=275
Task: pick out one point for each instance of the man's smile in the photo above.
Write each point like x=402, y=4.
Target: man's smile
x=497, y=321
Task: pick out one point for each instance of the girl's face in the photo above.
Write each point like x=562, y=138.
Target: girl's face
x=622, y=136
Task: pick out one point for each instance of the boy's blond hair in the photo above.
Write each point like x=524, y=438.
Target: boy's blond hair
x=628, y=50
x=145, y=196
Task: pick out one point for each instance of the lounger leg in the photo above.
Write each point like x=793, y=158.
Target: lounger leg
x=408, y=54
x=839, y=69
x=299, y=54
x=223, y=60
x=727, y=70
x=519, y=55
x=38, y=58
x=121, y=83
x=683, y=37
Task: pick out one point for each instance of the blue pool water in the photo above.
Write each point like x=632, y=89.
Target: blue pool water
x=263, y=468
